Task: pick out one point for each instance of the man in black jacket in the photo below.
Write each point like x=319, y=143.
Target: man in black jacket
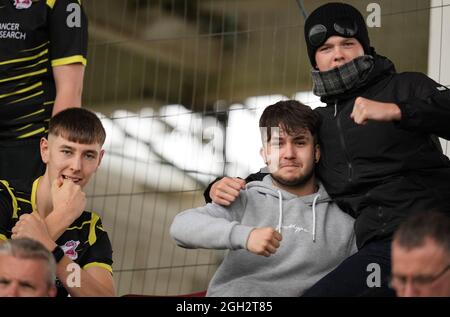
x=380, y=159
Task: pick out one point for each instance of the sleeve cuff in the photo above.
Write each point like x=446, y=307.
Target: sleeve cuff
x=239, y=236
x=69, y=60
x=99, y=264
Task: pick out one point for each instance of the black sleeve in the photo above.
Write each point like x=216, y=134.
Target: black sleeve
x=252, y=177
x=99, y=253
x=5, y=215
x=68, y=33
x=428, y=110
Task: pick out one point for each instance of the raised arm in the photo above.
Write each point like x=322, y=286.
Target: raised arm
x=211, y=227
x=69, y=86
x=426, y=109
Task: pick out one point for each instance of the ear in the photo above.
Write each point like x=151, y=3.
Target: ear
x=316, y=153
x=102, y=152
x=52, y=291
x=263, y=154
x=44, y=150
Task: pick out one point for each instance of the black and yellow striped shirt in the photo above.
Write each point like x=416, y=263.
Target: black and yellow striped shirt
x=85, y=241
x=33, y=40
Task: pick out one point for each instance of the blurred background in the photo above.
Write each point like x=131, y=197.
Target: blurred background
x=180, y=86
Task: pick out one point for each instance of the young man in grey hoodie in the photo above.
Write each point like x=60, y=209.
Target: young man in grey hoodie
x=284, y=233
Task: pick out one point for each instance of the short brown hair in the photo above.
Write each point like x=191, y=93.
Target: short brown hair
x=78, y=125
x=292, y=116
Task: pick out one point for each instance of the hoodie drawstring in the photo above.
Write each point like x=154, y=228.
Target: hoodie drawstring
x=314, y=216
x=280, y=211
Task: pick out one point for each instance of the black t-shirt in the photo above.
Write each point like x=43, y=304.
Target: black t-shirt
x=34, y=37
x=85, y=241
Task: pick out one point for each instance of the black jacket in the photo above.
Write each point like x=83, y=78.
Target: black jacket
x=382, y=171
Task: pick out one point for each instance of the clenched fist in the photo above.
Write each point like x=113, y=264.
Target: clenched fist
x=264, y=241
x=68, y=198
x=225, y=191
x=365, y=109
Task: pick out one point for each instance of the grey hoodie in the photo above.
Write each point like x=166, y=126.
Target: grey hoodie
x=317, y=236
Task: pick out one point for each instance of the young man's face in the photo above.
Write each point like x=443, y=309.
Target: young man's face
x=417, y=272
x=70, y=160
x=337, y=51
x=24, y=278
x=291, y=158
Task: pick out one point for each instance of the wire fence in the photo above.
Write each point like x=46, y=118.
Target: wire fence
x=180, y=85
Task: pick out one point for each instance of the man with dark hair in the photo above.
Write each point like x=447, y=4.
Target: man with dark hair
x=421, y=256
x=380, y=158
x=27, y=269
x=287, y=217
x=51, y=209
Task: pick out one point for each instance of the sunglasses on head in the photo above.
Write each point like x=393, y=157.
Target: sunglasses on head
x=318, y=33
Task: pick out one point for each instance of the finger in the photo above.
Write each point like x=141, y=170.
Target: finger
x=221, y=202
x=36, y=215
x=23, y=217
x=271, y=249
x=275, y=243
x=58, y=182
x=230, y=187
x=228, y=191
x=277, y=236
x=225, y=196
x=241, y=182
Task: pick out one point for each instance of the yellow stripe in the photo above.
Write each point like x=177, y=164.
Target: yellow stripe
x=25, y=58
x=22, y=90
x=25, y=75
x=69, y=60
x=80, y=227
x=49, y=102
x=98, y=264
x=51, y=3
x=13, y=198
x=24, y=200
x=26, y=135
x=31, y=114
x=92, y=236
x=30, y=66
x=24, y=127
x=3, y=237
x=35, y=48
x=34, y=193
x=40, y=92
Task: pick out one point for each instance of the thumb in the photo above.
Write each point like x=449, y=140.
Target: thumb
x=36, y=214
x=241, y=182
x=57, y=183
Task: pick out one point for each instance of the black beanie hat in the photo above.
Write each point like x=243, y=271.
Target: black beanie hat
x=334, y=18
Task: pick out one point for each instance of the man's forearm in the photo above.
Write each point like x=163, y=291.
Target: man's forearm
x=57, y=223
x=85, y=284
